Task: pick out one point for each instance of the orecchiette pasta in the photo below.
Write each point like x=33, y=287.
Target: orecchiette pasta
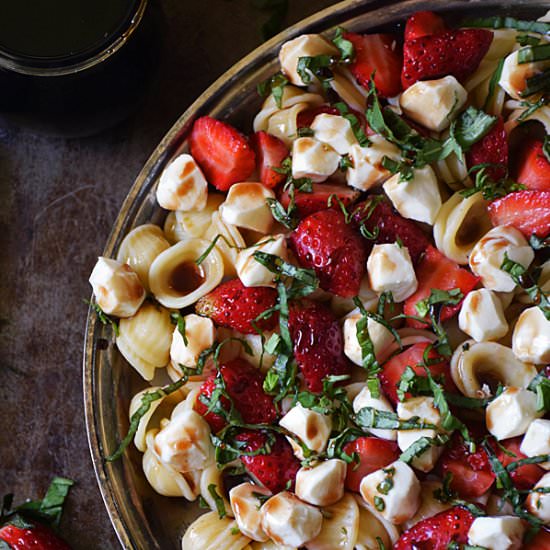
x=228, y=245
x=209, y=532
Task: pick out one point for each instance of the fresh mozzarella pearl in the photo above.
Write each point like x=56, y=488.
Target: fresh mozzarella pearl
x=497, y=533
x=335, y=131
x=511, y=413
x=313, y=159
x=482, y=316
x=117, y=288
x=246, y=506
x=539, y=503
x=434, y=103
x=390, y=269
x=380, y=403
x=531, y=338
x=182, y=185
x=200, y=334
x=322, y=484
x=536, y=440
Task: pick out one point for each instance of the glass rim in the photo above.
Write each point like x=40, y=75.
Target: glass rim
x=106, y=51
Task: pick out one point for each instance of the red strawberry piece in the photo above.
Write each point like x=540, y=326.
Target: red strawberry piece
x=437, y=271
x=318, y=342
x=438, y=532
x=534, y=168
x=309, y=203
x=423, y=23
x=413, y=357
x=525, y=476
x=306, y=117
x=270, y=153
x=39, y=537
x=472, y=475
x=274, y=470
x=244, y=384
x=493, y=148
x=378, y=54
x=378, y=216
x=541, y=541
x=453, y=52
x=371, y=454
x=528, y=211
x=334, y=249
x=234, y=305
x=223, y=153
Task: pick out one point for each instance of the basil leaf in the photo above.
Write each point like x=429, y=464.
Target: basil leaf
x=500, y=22
x=52, y=503
x=531, y=108
x=369, y=417
x=439, y=297
x=471, y=126
x=532, y=54
x=218, y=500
x=319, y=66
x=277, y=265
x=537, y=83
x=103, y=318
x=420, y=446
x=179, y=320
x=347, y=51
x=538, y=459
x=493, y=83
x=275, y=86
x=546, y=146
x=355, y=124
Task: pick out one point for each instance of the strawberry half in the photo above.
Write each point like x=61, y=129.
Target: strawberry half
x=525, y=476
x=437, y=271
x=378, y=54
x=534, y=168
x=334, y=249
x=270, y=153
x=223, y=153
x=274, y=470
x=39, y=537
x=309, y=203
x=528, y=211
x=493, y=148
x=234, y=305
x=423, y=23
x=318, y=342
x=453, y=52
x=244, y=384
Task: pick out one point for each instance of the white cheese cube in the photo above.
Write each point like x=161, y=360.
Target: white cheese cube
x=246, y=206
x=311, y=427
x=424, y=409
x=390, y=269
x=184, y=442
x=539, y=503
x=418, y=198
x=536, y=440
x=289, y=521
x=182, y=185
x=365, y=399
x=335, y=131
x=531, y=338
x=253, y=273
x=497, y=533
x=259, y=357
x=403, y=492
x=482, y=316
x=200, y=333
x=434, y=103
x=246, y=506
x=511, y=413
x=367, y=170
x=117, y=288
x=313, y=159
x=305, y=45
x=513, y=74
x=322, y=484
x=488, y=254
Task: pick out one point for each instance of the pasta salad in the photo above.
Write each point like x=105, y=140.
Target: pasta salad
x=344, y=323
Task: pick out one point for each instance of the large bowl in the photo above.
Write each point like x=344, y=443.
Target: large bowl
x=141, y=518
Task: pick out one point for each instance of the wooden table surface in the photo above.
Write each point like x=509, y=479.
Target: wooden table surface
x=58, y=200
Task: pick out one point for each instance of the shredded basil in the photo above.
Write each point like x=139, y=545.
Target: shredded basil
x=369, y=417
x=358, y=132
x=531, y=54
x=439, y=297
x=493, y=83
x=347, y=51
x=103, y=317
x=501, y=22
x=488, y=188
x=277, y=265
x=179, y=320
x=275, y=86
x=421, y=445
x=218, y=500
x=537, y=83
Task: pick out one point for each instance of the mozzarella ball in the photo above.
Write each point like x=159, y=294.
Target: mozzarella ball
x=323, y=483
x=313, y=159
x=482, y=316
x=335, y=131
x=497, y=533
x=536, y=440
x=531, y=337
x=539, y=503
x=200, y=334
x=246, y=506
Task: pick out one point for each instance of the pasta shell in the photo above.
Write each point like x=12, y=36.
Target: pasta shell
x=283, y=123
x=461, y=222
x=392, y=531
x=175, y=279
x=429, y=505
x=209, y=532
x=213, y=476
x=228, y=245
x=140, y=247
x=370, y=529
x=476, y=363
x=269, y=545
x=345, y=85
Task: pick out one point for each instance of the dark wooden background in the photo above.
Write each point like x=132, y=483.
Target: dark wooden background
x=58, y=200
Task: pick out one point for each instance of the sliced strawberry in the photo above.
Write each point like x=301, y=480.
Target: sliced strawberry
x=244, y=384
x=472, y=475
x=534, y=168
x=541, y=541
x=423, y=23
x=379, y=218
x=437, y=271
x=438, y=532
x=413, y=357
x=378, y=54
x=493, y=148
x=275, y=470
x=270, y=153
x=528, y=211
x=334, y=249
x=234, y=305
x=371, y=454
x=525, y=476
x=39, y=537
x=309, y=203
x=318, y=342
x=223, y=153
x=453, y=52
x=306, y=117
